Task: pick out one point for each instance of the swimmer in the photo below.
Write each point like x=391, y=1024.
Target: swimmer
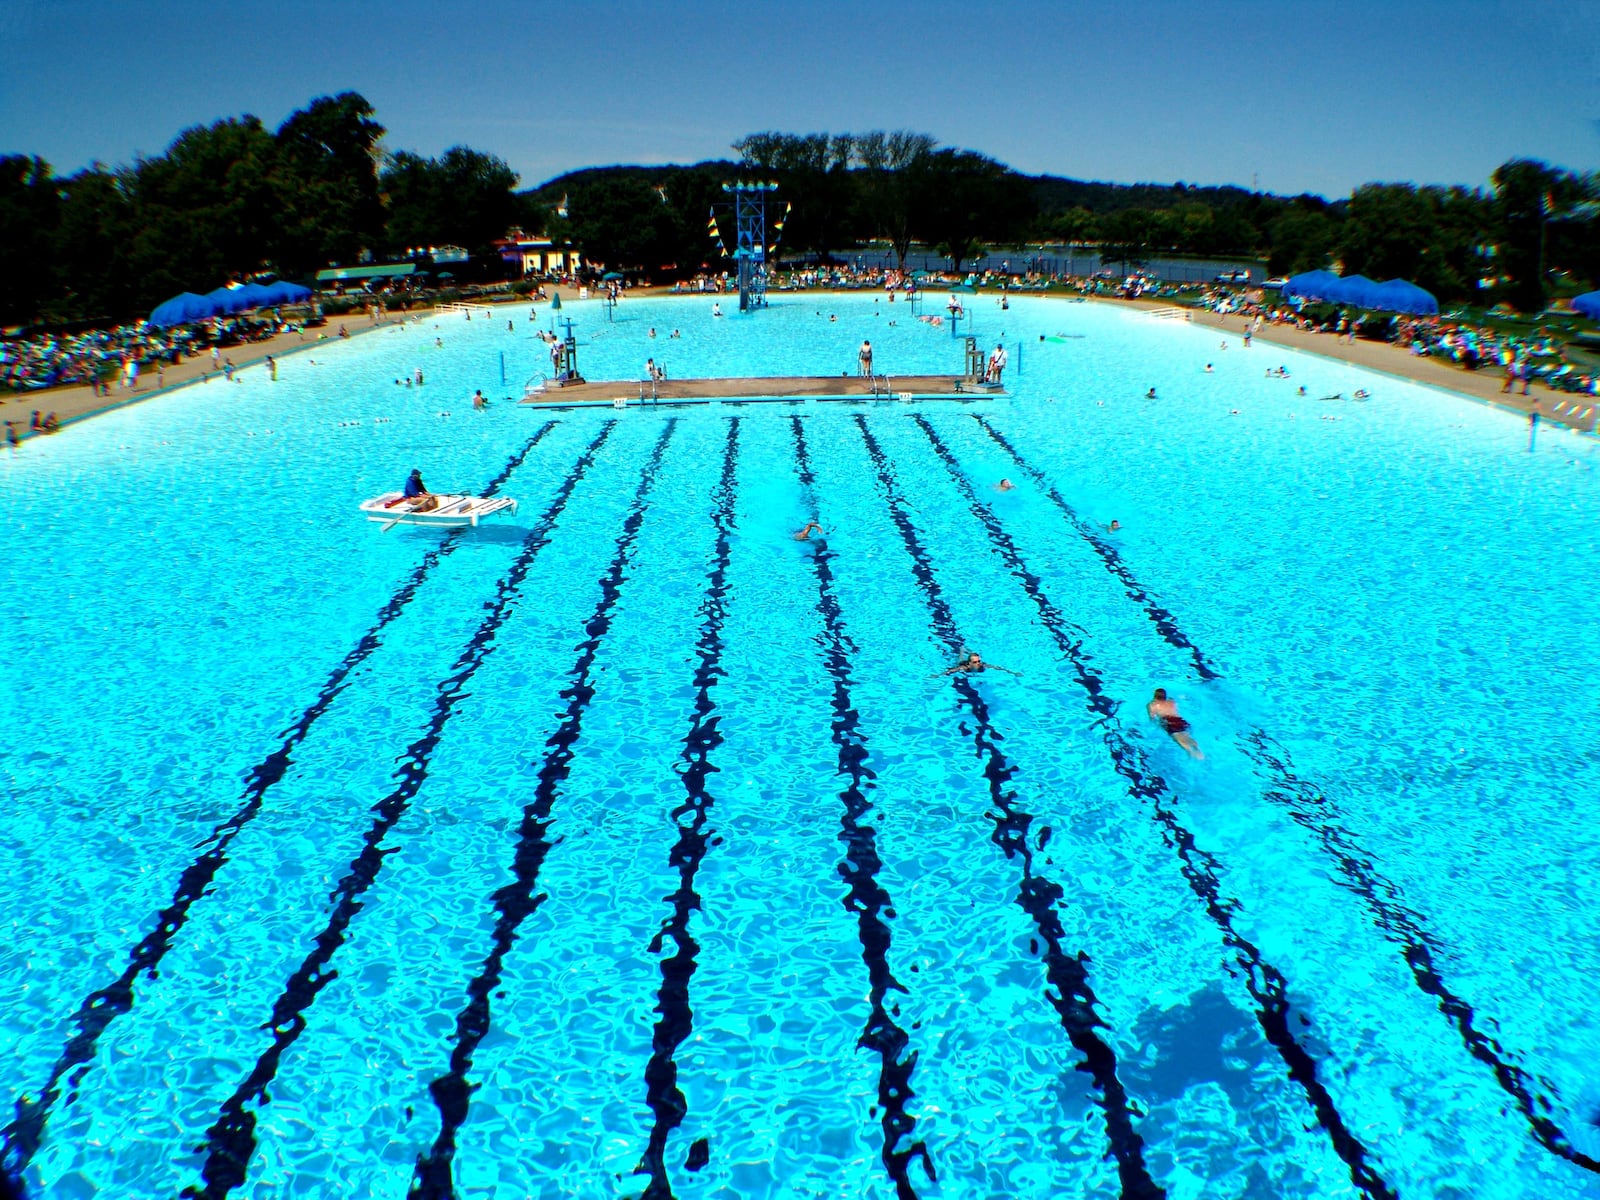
x=971, y=663
x=1150, y=395
x=1114, y=526
x=805, y=533
x=716, y=308
x=1302, y=390
x=479, y=400
x=1166, y=712
x=1005, y=485
x=439, y=342
x=1362, y=394
x=1208, y=368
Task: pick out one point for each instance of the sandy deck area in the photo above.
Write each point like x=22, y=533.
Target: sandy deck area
x=72, y=404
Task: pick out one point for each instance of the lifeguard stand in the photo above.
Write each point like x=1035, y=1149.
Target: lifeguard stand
x=975, y=361
x=566, y=360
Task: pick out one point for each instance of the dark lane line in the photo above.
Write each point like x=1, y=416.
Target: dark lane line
x=867, y=898
x=1201, y=870
x=231, y=1141
x=1163, y=620
x=1310, y=807
x=1073, y=999
x=19, y=1141
x=676, y=1021
x=433, y=1178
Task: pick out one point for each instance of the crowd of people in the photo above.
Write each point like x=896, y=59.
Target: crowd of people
x=1535, y=356
x=100, y=357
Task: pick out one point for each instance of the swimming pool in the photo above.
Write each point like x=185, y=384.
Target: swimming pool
x=631, y=847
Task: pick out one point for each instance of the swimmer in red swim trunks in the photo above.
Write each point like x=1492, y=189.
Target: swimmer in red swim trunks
x=1166, y=711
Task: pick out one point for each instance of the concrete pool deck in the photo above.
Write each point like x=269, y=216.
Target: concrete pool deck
x=79, y=402
x=754, y=388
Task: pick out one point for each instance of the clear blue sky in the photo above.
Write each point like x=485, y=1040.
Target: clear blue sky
x=1301, y=96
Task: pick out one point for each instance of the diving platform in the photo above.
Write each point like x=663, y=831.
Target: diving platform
x=755, y=389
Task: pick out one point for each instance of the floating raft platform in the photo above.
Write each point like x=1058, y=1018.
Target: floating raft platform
x=763, y=389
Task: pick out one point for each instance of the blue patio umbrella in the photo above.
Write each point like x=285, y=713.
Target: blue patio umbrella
x=1403, y=296
x=181, y=309
x=1313, y=285
x=1352, y=289
x=1588, y=305
x=254, y=295
x=227, y=300
x=284, y=292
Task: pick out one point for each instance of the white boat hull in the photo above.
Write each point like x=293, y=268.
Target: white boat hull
x=451, y=512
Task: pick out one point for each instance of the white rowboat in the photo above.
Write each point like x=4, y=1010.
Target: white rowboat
x=392, y=508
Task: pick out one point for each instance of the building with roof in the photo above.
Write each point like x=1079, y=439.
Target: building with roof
x=538, y=255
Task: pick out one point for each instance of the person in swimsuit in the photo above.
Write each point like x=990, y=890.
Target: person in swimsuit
x=806, y=532
x=417, y=492
x=972, y=663
x=1005, y=485
x=1166, y=712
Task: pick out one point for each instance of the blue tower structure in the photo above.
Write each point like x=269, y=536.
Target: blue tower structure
x=750, y=252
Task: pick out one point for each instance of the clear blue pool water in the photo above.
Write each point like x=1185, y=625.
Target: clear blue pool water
x=628, y=847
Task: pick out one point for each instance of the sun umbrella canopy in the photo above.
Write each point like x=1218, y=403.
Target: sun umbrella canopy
x=612, y=275
x=1352, y=289
x=181, y=309
x=254, y=295
x=1403, y=296
x=284, y=292
x=1313, y=285
x=227, y=300
x=1588, y=304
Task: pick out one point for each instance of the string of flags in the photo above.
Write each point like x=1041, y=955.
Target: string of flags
x=715, y=233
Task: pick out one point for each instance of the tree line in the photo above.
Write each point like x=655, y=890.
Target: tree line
x=235, y=198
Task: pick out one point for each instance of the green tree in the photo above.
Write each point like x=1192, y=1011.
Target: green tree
x=30, y=211
x=461, y=198
x=1524, y=198
x=1127, y=237
x=95, y=275
x=207, y=209
x=964, y=199
x=891, y=167
x=328, y=156
x=1302, y=239
x=1074, y=226
x=624, y=222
